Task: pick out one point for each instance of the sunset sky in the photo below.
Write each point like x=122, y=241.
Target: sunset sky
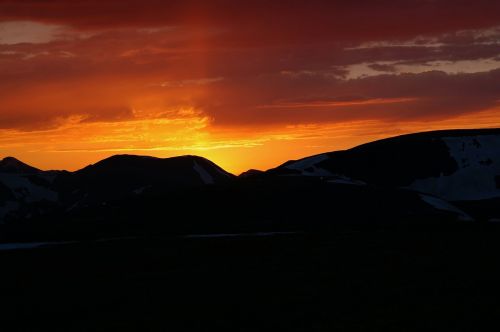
x=247, y=84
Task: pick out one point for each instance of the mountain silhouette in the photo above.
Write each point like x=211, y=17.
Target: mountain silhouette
x=129, y=175
x=13, y=165
x=453, y=164
x=423, y=178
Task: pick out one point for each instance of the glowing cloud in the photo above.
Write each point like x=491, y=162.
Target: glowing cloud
x=223, y=79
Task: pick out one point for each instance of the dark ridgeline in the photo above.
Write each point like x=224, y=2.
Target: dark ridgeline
x=13, y=165
x=426, y=179
x=397, y=234
x=123, y=176
x=399, y=161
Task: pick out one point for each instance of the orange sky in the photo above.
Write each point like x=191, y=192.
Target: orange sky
x=247, y=85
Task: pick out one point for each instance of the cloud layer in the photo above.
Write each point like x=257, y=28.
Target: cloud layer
x=243, y=66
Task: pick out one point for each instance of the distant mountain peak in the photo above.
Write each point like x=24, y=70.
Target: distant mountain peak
x=13, y=165
x=10, y=160
x=250, y=173
x=140, y=161
x=456, y=165
x=132, y=172
x=136, y=157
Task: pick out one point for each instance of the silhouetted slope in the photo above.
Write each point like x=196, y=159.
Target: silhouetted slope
x=452, y=164
x=406, y=179
x=13, y=165
x=26, y=191
x=182, y=170
x=122, y=176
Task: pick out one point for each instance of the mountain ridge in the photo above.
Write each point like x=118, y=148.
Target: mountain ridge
x=453, y=164
x=14, y=165
x=426, y=174
x=432, y=133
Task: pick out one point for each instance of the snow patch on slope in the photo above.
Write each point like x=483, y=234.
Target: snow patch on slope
x=478, y=159
x=340, y=179
x=23, y=188
x=8, y=207
x=308, y=166
x=204, y=175
x=140, y=190
x=445, y=206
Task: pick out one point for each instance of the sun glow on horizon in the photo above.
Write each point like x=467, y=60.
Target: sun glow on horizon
x=76, y=144
x=81, y=82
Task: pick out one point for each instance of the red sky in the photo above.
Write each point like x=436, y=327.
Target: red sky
x=247, y=84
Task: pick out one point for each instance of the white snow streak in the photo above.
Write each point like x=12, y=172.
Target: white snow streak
x=310, y=162
x=445, y=206
x=204, y=175
x=478, y=159
x=25, y=189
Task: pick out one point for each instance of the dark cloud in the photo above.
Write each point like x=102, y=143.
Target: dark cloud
x=407, y=97
x=294, y=20
x=255, y=58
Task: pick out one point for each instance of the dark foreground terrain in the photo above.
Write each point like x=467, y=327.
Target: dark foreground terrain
x=400, y=234
x=378, y=280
